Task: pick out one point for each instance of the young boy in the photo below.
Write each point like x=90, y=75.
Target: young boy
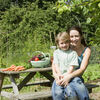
x=64, y=59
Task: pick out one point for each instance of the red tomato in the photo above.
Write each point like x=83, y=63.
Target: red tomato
x=36, y=59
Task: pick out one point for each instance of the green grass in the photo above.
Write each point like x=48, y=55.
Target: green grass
x=92, y=72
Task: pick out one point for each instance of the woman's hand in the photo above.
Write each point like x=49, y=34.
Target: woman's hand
x=65, y=80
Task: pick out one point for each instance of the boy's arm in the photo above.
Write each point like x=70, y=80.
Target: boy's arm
x=57, y=73
x=55, y=70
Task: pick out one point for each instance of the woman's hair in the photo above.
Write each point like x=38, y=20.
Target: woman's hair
x=64, y=36
x=77, y=28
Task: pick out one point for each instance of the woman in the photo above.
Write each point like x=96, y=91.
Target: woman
x=75, y=89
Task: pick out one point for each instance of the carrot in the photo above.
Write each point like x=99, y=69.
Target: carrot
x=14, y=68
x=6, y=69
x=19, y=68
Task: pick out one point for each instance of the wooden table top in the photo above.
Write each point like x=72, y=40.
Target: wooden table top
x=27, y=70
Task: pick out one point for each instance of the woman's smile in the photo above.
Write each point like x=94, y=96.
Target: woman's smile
x=75, y=38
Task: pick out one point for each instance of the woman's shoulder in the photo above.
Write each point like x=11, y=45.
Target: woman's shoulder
x=87, y=51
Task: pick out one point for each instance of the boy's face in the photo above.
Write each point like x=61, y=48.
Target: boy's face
x=63, y=45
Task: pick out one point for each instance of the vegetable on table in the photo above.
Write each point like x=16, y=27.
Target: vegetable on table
x=36, y=59
x=13, y=68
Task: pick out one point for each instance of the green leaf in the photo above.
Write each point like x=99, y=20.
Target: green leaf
x=60, y=10
x=99, y=5
x=88, y=20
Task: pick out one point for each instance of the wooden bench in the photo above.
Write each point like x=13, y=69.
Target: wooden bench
x=41, y=95
x=46, y=95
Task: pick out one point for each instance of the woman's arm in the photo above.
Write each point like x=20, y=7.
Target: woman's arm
x=70, y=70
x=56, y=71
x=83, y=65
x=64, y=81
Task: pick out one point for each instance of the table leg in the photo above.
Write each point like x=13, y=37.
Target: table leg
x=1, y=81
x=48, y=76
x=14, y=85
x=26, y=80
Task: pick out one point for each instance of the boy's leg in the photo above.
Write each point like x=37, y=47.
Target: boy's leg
x=57, y=92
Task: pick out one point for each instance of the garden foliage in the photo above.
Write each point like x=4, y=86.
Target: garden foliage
x=30, y=25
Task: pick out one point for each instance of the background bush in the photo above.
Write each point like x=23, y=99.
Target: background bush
x=27, y=26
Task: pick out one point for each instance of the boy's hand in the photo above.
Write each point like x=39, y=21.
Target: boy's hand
x=64, y=82
x=58, y=78
x=58, y=82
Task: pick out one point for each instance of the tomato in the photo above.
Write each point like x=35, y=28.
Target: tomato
x=36, y=59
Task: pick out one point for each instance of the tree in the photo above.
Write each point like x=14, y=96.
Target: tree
x=90, y=10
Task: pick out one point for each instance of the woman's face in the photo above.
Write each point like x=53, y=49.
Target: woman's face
x=75, y=38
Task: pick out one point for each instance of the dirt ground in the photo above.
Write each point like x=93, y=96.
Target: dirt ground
x=95, y=96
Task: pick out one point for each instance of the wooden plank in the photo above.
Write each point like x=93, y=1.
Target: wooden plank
x=46, y=94
x=48, y=76
x=14, y=85
x=27, y=70
x=35, y=95
x=91, y=86
x=47, y=82
x=6, y=94
x=43, y=82
x=1, y=81
x=9, y=95
x=25, y=80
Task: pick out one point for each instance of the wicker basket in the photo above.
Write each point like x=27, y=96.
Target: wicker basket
x=41, y=63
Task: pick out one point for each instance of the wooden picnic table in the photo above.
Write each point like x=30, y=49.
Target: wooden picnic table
x=17, y=87
x=15, y=95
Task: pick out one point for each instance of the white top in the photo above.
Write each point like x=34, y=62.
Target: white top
x=65, y=59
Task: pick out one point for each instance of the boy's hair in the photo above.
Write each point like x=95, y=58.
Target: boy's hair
x=64, y=36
